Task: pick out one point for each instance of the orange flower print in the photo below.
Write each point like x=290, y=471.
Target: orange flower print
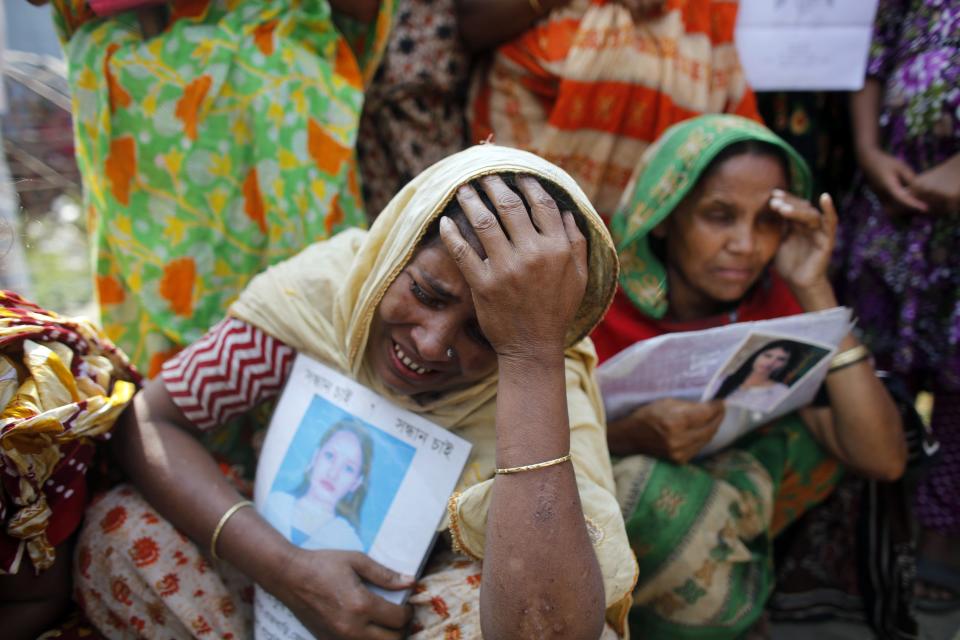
x=335, y=216
x=181, y=558
x=149, y=518
x=474, y=580
x=325, y=151
x=169, y=585
x=113, y=520
x=452, y=632
x=346, y=64
x=109, y=290
x=157, y=613
x=201, y=627
x=188, y=107
x=188, y=9
x=121, y=591
x=253, y=201
x=137, y=623
x=227, y=607
x=153, y=370
x=440, y=607
x=144, y=552
x=263, y=37
x=176, y=286
x=120, y=167
x=799, y=122
x=118, y=95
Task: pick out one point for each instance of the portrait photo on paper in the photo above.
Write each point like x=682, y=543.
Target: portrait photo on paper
x=337, y=480
x=764, y=370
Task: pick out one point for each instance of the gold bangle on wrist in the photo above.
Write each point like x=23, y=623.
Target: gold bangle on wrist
x=536, y=6
x=533, y=467
x=849, y=357
x=223, y=521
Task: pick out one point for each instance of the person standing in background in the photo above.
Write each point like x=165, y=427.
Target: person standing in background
x=593, y=82
x=897, y=262
x=414, y=111
x=215, y=143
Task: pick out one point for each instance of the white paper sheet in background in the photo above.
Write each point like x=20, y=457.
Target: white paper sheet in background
x=805, y=44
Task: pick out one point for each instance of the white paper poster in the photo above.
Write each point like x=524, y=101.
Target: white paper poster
x=343, y=468
x=805, y=44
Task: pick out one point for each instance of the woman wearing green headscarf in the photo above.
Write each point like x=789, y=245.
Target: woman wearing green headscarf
x=717, y=228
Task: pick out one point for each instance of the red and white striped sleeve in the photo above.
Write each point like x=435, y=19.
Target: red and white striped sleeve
x=229, y=371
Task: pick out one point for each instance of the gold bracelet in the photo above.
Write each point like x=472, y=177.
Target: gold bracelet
x=844, y=359
x=223, y=521
x=533, y=467
x=536, y=6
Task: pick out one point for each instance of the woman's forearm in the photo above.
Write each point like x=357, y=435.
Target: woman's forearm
x=865, y=116
x=541, y=577
x=865, y=431
x=180, y=479
x=484, y=24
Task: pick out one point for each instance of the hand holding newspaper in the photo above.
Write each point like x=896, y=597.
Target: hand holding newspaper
x=762, y=370
x=343, y=468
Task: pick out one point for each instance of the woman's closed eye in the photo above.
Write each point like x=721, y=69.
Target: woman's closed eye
x=771, y=220
x=719, y=216
x=423, y=296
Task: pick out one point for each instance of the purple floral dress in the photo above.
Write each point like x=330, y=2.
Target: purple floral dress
x=902, y=275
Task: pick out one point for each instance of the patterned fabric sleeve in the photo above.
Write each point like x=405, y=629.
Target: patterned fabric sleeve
x=232, y=369
x=886, y=32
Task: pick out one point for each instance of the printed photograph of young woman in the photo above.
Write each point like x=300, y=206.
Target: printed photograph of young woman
x=327, y=494
x=763, y=371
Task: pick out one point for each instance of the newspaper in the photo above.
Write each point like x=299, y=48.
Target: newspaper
x=694, y=365
x=805, y=44
x=343, y=468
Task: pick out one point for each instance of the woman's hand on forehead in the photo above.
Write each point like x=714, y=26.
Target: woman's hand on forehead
x=528, y=289
x=804, y=254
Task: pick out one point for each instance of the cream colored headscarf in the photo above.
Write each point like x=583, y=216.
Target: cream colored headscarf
x=322, y=302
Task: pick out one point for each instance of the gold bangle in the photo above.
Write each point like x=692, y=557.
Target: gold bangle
x=533, y=467
x=223, y=521
x=844, y=359
x=536, y=6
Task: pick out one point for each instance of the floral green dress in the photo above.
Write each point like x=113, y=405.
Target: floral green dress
x=210, y=151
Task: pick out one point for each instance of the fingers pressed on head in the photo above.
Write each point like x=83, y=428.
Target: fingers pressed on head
x=483, y=221
x=543, y=208
x=577, y=241
x=459, y=249
x=513, y=213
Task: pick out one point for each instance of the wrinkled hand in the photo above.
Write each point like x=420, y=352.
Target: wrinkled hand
x=363, y=10
x=325, y=590
x=669, y=429
x=939, y=187
x=804, y=254
x=528, y=289
x=890, y=179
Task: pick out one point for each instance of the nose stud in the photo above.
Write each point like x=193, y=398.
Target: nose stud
x=451, y=354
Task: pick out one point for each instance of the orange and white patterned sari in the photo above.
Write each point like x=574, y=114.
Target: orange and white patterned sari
x=588, y=88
